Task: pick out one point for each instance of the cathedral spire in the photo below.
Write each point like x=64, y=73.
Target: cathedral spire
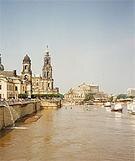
x=0, y=58
x=47, y=68
x=47, y=51
x=1, y=66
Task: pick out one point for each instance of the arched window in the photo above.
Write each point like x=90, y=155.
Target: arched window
x=25, y=67
x=25, y=77
x=47, y=74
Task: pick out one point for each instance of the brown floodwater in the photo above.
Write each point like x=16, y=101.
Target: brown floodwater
x=71, y=134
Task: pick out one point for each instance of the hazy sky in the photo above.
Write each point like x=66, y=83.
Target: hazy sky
x=91, y=41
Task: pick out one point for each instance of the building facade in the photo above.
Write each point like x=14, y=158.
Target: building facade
x=26, y=75
x=131, y=92
x=78, y=94
x=44, y=84
x=11, y=84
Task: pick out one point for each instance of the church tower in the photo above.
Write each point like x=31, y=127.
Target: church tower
x=26, y=74
x=47, y=70
x=1, y=66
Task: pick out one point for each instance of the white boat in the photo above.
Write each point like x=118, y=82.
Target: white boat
x=117, y=107
x=107, y=104
x=131, y=107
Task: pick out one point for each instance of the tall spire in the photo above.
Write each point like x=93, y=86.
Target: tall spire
x=1, y=66
x=47, y=51
x=27, y=59
x=47, y=68
x=0, y=58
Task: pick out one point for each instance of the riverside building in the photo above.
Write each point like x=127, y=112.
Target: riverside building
x=77, y=94
x=131, y=92
x=11, y=84
x=44, y=84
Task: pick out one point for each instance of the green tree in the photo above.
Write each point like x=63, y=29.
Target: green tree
x=110, y=99
x=23, y=96
x=122, y=96
x=89, y=97
x=132, y=97
x=47, y=96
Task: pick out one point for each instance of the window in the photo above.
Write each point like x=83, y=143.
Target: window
x=25, y=77
x=47, y=74
x=25, y=67
x=16, y=88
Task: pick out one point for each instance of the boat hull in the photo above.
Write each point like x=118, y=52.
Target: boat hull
x=117, y=108
x=107, y=104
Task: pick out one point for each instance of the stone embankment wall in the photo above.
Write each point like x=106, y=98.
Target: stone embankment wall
x=50, y=104
x=9, y=114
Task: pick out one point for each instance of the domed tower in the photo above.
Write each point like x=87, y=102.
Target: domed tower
x=47, y=70
x=1, y=66
x=26, y=74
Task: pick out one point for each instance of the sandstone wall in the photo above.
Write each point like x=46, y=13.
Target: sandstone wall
x=8, y=115
x=47, y=104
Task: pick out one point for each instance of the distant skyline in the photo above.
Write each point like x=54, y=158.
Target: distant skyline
x=90, y=41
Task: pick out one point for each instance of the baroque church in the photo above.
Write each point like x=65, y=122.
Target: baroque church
x=12, y=85
x=39, y=84
x=45, y=84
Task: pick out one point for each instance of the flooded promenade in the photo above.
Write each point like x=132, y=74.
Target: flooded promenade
x=71, y=134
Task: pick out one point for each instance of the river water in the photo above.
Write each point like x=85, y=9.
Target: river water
x=71, y=134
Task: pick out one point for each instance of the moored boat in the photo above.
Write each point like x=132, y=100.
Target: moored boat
x=117, y=107
x=107, y=104
x=131, y=107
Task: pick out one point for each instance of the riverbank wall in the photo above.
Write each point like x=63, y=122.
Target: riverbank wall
x=51, y=104
x=10, y=114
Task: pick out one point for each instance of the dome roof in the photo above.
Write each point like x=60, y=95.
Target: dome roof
x=26, y=59
x=1, y=67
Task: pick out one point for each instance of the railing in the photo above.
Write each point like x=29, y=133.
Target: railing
x=24, y=101
x=15, y=101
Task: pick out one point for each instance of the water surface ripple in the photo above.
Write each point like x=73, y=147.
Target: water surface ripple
x=72, y=134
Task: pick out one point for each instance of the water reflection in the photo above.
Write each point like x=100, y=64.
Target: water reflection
x=72, y=134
